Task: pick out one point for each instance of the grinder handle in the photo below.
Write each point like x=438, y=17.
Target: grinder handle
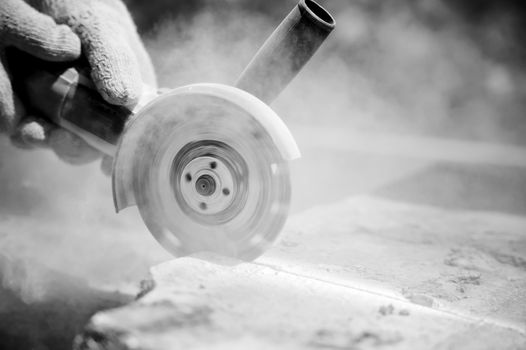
x=63, y=94
x=286, y=51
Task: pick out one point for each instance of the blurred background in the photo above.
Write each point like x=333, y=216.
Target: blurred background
x=419, y=101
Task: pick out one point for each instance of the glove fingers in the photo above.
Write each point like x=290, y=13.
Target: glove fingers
x=32, y=132
x=134, y=41
x=71, y=148
x=36, y=132
x=38, y=34
x=114, y=68
x=109, y=38
x=11, y=110
x=145, y=63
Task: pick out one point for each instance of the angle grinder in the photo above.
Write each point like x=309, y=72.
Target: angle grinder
x=206, y=164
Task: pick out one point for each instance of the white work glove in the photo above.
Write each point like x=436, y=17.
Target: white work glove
x=58, y=30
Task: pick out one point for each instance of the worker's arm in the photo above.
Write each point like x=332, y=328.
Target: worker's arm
x=63, y=30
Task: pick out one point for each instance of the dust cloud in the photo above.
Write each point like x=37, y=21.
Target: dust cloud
x=413, y=67
x=405, y=68
x=434, y=79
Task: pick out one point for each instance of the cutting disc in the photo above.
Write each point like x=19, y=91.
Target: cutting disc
x=208, y=168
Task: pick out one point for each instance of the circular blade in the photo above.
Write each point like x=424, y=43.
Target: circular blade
x=209, y=177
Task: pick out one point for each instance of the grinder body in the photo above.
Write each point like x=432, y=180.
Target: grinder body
x=207, y=164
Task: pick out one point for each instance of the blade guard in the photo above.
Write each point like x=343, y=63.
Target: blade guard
x=123, y=174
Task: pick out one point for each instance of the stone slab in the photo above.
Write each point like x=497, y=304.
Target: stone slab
x=360, y=274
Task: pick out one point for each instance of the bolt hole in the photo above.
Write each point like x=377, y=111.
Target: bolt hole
x=202, y=206
x=188, y=177
x=213, y=165
x=226, y=191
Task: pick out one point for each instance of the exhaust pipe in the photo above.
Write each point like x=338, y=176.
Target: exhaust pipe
x=66, y=96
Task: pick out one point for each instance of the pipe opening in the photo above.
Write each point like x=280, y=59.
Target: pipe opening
x=318, y=13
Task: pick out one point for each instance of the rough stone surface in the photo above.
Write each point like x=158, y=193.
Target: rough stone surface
x=464, y=261
x=408, y=277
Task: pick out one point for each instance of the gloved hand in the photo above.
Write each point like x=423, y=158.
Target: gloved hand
x=55, y=30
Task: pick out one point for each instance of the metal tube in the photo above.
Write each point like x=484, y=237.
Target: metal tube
x=286, y=51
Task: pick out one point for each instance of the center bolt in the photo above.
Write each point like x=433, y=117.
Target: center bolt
x=205, y=185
